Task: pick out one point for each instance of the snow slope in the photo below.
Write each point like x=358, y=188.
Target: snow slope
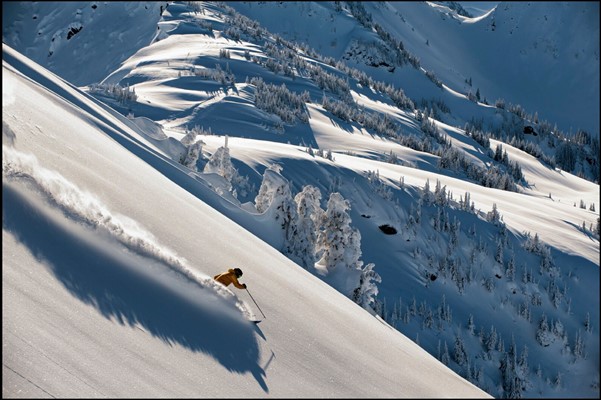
x=230, y=111
x=171, y=99
x=96, y=300
x=533, y=49
x=77, y=32
x=520, y=52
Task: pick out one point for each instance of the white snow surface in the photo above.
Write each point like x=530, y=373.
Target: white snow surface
x=109, y=244
x=106, y=267
x=535, y=48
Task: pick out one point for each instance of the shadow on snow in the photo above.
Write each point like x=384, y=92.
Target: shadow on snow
x=131, y=289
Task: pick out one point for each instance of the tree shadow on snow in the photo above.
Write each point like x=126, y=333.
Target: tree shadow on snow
x=130, y=289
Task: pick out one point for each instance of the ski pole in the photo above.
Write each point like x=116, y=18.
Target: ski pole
x=255, y=303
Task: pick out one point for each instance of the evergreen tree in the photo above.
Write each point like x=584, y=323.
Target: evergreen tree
x=444, y=311
x=470, y=324
x=459, y=353
x=499, y=251
x=543, y=333
x=514, y=374
x=426, y=194
x=275, y=195
x=510, y=270
x=491, y=340
x=268, y=187
x=501, y=346
x=336, y=236
x=557, y=380
x=493, y=216
x=220, y=163
x=366, y=292
x=339, y=248
x=498, y=153
x=524, y=369
x=309, y=219
x=440, y=194
x=445, y=355
x=578, y=347
x=533, y=244
x=192, y=155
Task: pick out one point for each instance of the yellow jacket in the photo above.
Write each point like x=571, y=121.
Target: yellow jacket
x=229, y=277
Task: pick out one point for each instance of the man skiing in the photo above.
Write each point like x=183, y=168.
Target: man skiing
x=231, y=276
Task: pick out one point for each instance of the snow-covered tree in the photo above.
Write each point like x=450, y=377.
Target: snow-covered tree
x=271, y=177
x=339, y=251
x=426, y=195
x=444, y=312
x=445, y=359
x=498, y=153
x=193, y=154
x=190, y=136
x=466, y=204
x=533, y=244
x=336, y=236
x=366, y=292
x=510, y=270
x=274, y=194
x=470, y=324
x=220, y=163
x=587, y=322
x=378, y=186
x=459, y=353
x=514, y=372
x=278, y=100
x=499, y=251
x=122, y=94
x=555, y=293
x=578, y=347
x=493, y=216
x=557, y=380
x=491, y=340
x=543, y=334
x=309, y=218
x=440, y=194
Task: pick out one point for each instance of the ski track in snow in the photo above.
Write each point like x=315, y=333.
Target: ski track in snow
x=83, y=205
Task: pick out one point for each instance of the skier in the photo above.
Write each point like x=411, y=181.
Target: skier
x=231, y=276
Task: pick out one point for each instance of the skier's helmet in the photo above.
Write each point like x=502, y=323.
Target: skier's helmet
x=238, y=272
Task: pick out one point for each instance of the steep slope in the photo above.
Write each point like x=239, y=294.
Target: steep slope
x=450, y=64
x=194, y=73
x=90, y=310
x=64, y=38
x=179, y=98
x=190, y=55
x=519, y=51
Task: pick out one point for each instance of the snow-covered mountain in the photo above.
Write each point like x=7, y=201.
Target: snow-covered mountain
x=106, y=293
x=65, y=38
x=517, y=51
x=444, y=58
x=338, y=183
